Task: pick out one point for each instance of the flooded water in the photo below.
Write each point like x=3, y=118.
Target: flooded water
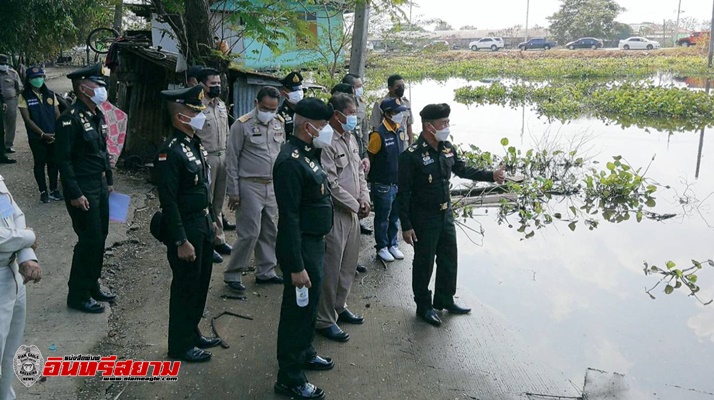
x=578, y=298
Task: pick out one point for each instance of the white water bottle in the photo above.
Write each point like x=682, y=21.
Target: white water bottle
x=302, y=296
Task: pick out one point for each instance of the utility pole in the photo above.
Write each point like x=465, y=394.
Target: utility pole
x=711, y=39
x=118, y=15
x=358, y=54
x=676, y=25
x=528, y=11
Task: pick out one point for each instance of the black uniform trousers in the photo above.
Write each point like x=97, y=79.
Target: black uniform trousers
x=92, y=228
x=296, y=330
x=42, y=155
x=436, y=238
x=189, y=286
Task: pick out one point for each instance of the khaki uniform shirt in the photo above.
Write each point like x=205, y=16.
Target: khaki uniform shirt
x=15, y=239
x=342, y=163
x=10, y=85
x=252, y=149
x=215, y=131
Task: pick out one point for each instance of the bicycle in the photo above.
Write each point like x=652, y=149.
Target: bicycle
x=100, y=40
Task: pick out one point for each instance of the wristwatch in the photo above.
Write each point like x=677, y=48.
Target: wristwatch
x=181, y=242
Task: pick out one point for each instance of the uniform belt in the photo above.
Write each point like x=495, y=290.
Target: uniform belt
x=217, y=153
x=444, y=206
x=196, y=215
x=260, y=180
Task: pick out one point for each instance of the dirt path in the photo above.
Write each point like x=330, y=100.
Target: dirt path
x=391, y=356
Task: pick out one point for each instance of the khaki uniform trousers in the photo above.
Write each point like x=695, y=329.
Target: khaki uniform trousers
x=341, y=254
x=256, y=231
x=13, y=305
x=217, y=161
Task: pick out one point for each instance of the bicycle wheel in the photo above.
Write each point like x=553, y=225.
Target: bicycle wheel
x=100, y=39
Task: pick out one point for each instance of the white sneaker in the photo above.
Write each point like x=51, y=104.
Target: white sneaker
x=396, y=253
x=385, y=255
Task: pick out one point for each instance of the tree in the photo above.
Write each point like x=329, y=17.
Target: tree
x=621, y=31
x=468, y=28
x=579, y=18
x=442, y=25
x=37, y=30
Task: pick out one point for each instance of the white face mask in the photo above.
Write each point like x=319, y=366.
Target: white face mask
x=265, y=116
x=324, y=138
x=442, y=135
x=196, y=122
x=4, y=68
x=398, y=118
x=296, y=96
x=359, y=91
x=100, y=95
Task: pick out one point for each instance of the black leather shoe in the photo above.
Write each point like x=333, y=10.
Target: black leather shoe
x=276, y=280
x=217, y=259
x=224, y=249
x=193, y=354
x=430, y=317
x=238, y=286
x=88, y=306
x=227, y=226
x=361, y=268
x=348, y=317
x=204, y=342
x=5, y=160
x=319, y=364
x=453, y=309
x=333, y=332
x=305, y=391
x=364, y=230
x=101, y=295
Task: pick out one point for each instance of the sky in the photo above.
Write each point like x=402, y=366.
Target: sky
x=486, y=14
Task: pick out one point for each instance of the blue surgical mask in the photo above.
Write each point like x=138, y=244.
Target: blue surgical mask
x=359, y=91
x=351, y=122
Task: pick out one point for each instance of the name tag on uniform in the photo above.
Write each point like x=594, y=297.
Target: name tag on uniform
x=340, y=156
x=447, y=155
x=6, y=207
x=257, y=134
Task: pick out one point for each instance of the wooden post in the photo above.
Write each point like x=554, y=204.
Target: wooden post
x=676, y=25
x=358, y=53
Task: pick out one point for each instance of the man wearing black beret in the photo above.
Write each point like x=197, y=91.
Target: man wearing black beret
x=425, y=211
x=305, y=215
x=87, y=179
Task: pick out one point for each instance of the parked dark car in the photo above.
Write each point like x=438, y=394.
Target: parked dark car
x=585, y=43
x=537, y=44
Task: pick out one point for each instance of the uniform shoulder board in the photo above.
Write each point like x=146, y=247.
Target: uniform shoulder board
x=245, y=118
x=280, y=118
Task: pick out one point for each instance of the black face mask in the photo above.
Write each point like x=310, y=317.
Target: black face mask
x=214, y=91
x=399, y=92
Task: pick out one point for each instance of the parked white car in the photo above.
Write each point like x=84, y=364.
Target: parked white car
x=638, y=43
x=487, y=43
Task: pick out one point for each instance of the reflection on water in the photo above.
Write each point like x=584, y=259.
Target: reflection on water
x=578, y=297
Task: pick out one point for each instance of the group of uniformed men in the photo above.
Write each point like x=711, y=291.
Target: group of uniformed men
x=303, y=162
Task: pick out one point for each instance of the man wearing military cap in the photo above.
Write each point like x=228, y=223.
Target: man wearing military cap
x=292, y=93
x=184, y=195
x=425, y=211
x=214, y=137
x=10, y=88
x=87, y=179
x=383, y=149
x=304, y=218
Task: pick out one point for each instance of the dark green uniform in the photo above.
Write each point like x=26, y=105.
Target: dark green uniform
x=184, y=197
x=304, y=218
x=81, y=154
x=425, y=206
x=287, y=114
